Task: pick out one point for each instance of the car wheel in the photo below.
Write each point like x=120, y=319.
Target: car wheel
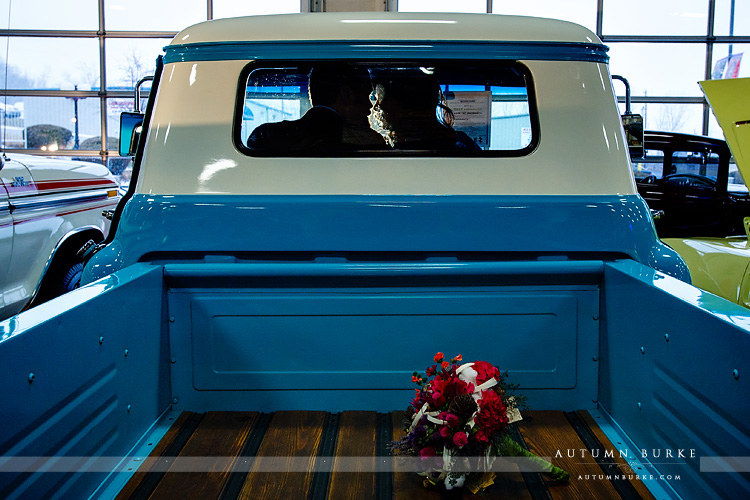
x=71, y=279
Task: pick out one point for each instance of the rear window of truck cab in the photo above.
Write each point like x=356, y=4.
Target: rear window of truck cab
x=373, y=109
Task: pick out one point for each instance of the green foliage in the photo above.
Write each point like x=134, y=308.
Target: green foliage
x=95, y=143
x=45, y=135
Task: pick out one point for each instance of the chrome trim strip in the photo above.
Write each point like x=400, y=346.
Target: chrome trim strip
x=39, y=202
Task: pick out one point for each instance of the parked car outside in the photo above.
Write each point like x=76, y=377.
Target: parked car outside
x=721, y=265
x=695, y=185
x=49, y=209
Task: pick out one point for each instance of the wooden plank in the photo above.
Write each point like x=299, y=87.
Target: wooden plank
x=290, y=434
x=357, y=438
x=130, y=488
x=221, y=435
x=507, y=485
x=550, y=434
x=408, y=485
x=624, y=466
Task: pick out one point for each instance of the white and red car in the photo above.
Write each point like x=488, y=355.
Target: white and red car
x=48, y=210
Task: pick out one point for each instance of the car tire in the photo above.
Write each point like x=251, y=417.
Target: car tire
x=71, y=279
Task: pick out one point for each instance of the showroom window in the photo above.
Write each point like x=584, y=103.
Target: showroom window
x=74, y=64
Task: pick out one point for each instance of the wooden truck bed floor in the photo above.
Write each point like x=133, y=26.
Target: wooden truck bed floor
x=316, y=438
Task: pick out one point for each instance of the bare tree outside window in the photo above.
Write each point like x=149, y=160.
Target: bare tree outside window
x=134, y=69
x=671, y=117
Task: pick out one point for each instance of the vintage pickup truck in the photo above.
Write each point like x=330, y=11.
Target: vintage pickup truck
x=278, y=270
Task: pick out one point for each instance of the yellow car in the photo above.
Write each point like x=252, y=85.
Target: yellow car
x=722, y=265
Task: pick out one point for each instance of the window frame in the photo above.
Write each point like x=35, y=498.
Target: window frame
x=393, y=153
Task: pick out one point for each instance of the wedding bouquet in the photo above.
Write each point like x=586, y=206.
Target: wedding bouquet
x=457, y=424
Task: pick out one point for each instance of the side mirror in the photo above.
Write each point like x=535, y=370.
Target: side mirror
x=632, y=124
x=131, y=125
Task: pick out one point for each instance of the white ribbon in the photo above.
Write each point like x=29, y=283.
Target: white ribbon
x=490, y=383
x=417, y=417
x=431, y=418
x=463, y=367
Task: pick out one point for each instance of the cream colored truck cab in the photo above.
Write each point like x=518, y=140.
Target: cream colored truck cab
x=48, y=210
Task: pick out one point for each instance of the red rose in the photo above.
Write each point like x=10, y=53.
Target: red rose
x=427, y=452
x=445, y=432
x=460, y=439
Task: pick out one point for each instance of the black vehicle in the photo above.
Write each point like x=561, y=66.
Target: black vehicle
x=691, y=184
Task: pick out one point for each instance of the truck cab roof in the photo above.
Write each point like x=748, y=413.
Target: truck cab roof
x=384, y=26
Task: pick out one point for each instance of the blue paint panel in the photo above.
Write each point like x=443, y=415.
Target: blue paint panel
x=676, y=358
x=603, y=226
x=77, y=403
x=391, y=50
x=360, y=340
x=271, y=336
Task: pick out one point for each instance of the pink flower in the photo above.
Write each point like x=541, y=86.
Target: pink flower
x=452, y=420
x=445, y=431
x=427, y=452
x=460, y=439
